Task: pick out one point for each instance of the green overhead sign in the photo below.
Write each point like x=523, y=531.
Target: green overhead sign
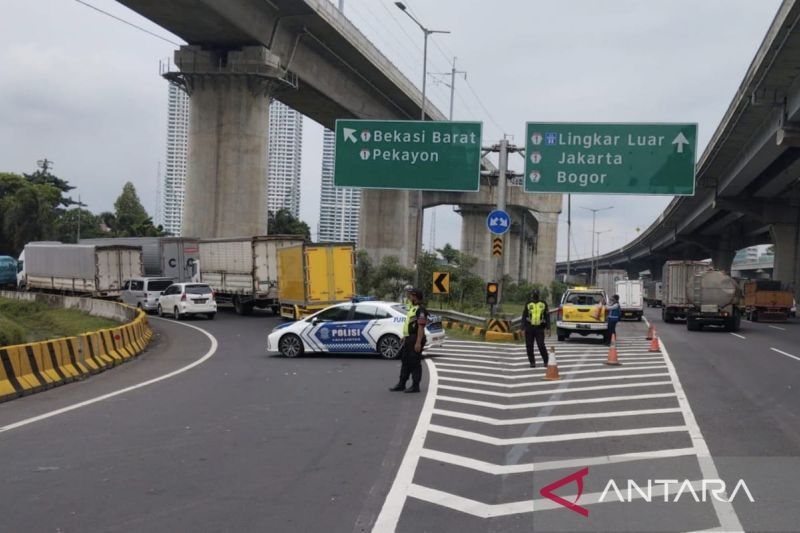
x=408, y=154
x=610, y=158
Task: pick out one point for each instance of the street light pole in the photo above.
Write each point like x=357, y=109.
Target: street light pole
x=420, y=209
x=594, y=219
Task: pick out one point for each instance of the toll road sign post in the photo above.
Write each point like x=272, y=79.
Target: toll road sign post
x=612, y=158
x=408, y=154
x=441, y=283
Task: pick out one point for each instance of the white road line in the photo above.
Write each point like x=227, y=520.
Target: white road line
x=563, y=437
x=737, y=335
x=503, y=470
x=725, y=511
x=784, y=353
x=396, y=499
x=524, y=361
x=554, y=418
x=627, y=366
x=519, y=372
x=506, y=407
x=211, y=351
x=485, y=510
x=485, y=392
x=778, y=328
x=551, y=383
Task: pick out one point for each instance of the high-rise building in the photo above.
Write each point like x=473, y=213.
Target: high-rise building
x=170, y=202
x=285, y=154
x=339, y=206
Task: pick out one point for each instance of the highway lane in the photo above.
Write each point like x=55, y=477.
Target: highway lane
x=746, y=398
x=242, y=442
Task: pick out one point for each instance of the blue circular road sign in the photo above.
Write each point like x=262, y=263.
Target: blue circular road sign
x=498, y=222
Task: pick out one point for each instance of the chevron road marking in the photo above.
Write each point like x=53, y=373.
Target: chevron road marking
x=485, y=510
x=506, y=407
x=556, y=418
x=503, y=470
x=524, y=360
x=552, y=383
x=615, y=369
x=497, y=441
x=553, y=392
x=529, y=370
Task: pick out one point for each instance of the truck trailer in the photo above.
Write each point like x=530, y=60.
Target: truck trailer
x=714, y=300
x=653, y=293
x=162, y=257
x=80, y=269
x=767, y=300
x=243, y=271
x=607, y=280
x=314, y=276
x=631, y=298
x=677, y=275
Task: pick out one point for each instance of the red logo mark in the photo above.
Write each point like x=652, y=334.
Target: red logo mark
x=577, y=477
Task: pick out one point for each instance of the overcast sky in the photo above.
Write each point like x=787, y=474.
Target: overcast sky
x=84, y=90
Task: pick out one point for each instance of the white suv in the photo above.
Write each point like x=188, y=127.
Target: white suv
x=184, y=299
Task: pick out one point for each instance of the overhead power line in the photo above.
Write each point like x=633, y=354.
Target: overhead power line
x=131, y=24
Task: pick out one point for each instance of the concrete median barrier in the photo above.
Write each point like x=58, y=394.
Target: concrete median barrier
x=36, y=366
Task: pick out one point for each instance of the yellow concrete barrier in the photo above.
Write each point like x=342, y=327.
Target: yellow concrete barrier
x=499, y=336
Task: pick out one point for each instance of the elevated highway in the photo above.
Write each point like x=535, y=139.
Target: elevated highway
x=308, y=55
x=747, y=179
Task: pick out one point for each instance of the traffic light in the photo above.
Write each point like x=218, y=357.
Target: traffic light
x=491, y=292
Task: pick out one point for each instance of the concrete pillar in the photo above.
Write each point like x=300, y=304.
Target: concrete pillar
x=387, y=225
x=477, y=242
x=723, y=259
x=511, y=255
x=226, y=185
x=633, y=272
x=656, y=268
x=546, y=240
x=786, y=269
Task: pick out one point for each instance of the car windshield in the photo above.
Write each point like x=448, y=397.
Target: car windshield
x=198, y=289
x=160, y=285
x=584, y=298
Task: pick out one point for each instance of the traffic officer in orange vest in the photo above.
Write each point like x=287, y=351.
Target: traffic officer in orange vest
x=536, y=319
x=413, y=343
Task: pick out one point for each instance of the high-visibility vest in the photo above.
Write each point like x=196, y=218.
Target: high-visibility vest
x=410, y=317
x=536, y=313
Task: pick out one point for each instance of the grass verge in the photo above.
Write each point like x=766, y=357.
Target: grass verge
x=22, y=322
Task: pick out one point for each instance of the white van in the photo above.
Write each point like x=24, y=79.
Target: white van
x=144, y=293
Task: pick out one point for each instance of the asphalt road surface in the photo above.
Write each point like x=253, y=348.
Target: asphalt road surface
x=207, y=432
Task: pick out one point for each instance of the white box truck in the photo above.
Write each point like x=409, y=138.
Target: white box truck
x=81, y=269
x=631, y=298
x=243, y=271
x=677, y=277
x=163, y=257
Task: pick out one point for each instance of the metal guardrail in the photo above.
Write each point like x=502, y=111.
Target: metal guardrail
x=472, y=320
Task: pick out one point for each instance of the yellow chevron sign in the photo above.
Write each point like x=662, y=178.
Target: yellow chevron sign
x=497, y=247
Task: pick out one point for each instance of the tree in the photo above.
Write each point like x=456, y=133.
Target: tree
x=449, y=254
x=130, y=217
x=28, y=214
x=66, y=228
x=43, y=176
x=282, y=222
x=364, y=271
x=390, y=278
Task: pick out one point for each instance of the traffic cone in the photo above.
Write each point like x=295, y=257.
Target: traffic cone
x=651, y=332
x=552, y=368
x=612, y=352
x=654, y=347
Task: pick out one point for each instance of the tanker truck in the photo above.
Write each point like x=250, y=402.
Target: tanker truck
x=714, y=299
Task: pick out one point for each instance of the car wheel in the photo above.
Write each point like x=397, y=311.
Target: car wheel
x=176, y=314
x=290, y=345
x=211, y=316
x=389, y=346
x=160, y=311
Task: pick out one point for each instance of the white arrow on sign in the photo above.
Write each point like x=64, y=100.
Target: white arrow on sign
x=680, y=140
x=348, y=134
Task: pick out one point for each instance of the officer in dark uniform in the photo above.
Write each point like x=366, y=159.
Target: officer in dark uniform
x=536, y=320
x=413, y=343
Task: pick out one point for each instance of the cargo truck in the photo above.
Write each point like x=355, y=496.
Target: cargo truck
x=243, y=271
x=80, y=269
x=162, y=257
x=767, y=300
x=607, y=280
x=677, y=275
x=715, y=300
x=313, y=277
x=653, y=293
x=631, y=299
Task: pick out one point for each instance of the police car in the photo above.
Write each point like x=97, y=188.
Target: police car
x=354, y=327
